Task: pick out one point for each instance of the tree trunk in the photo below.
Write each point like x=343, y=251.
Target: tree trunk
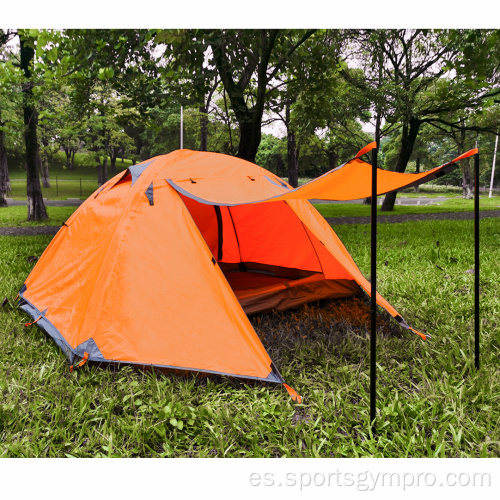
x=408, y=138
x=203, y=128
x=4, y=171
x=228, y=123
x=68, y=157
x=44, y=164
x=36, y=206
x=417, y=170
x=99, y=171
x=43, y=168
x=73, y=151
x=467, y=180
x=46, y=172
x=293, y=165
x=249, y=141
x=113, y=165
x=105, y=170
x=249, y=119
x=332, y=159
x=293, y=170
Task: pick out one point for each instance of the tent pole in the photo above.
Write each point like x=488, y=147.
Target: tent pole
x=493, y=167
x=476, y=258
x=373, y=309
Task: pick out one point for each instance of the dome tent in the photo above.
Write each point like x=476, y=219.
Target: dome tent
x=163, y=263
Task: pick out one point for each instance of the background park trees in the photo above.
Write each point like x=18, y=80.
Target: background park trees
x=299, y=102
x=417, y=77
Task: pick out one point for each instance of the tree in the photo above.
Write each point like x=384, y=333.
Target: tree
x=270, y=154
x=248, y=63
x=412, y=63
x=335, y=110
x=5, y=96
x=4, y=168
x=36, y=206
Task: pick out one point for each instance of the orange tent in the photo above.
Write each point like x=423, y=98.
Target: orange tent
x=163, y=263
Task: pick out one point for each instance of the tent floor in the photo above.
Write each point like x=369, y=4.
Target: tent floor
x=259, y=291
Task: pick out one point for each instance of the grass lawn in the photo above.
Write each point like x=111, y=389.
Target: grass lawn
x=16, y=216
x=61, y=191
x=84, y=169
x=452, y=205
x=68, y=183
x=431, y=401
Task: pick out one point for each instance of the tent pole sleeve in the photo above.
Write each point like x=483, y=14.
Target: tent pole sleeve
x=373, y=309
x=476, y=258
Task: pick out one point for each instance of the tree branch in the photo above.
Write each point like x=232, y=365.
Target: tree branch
x=280, y=63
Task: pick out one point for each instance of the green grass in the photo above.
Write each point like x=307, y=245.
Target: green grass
x=60, y=191
x=431, y=401
x=84, y=169
x=16, y=216
x=448, y=206
x=68, y=181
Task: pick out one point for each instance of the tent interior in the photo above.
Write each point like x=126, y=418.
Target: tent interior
x=269, y=257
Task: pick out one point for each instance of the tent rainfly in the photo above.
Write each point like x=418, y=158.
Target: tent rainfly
x=162, y=265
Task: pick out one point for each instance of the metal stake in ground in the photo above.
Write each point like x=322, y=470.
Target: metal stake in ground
x=476, y=258
x=373, y=310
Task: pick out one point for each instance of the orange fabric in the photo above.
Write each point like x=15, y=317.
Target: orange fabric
x=84, y=360
x=366, y=149
x=81, y=363
x=33, y=322
x=351, y=181
x=323, y=231
x=142, y=281
x=270, y=233
x=293, y=394
x=421, y=335
x=265, y=233
x=126, y=276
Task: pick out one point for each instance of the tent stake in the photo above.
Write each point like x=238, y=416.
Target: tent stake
x=373, y=309
x=476, y=258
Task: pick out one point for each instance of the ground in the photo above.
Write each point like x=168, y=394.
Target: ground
x=431, y=400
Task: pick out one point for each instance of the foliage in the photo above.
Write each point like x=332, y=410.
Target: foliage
x=271, y=153
x=408, y=75
x=248, y=63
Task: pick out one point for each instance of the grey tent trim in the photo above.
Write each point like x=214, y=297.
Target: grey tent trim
x=149, y=193
x=95, y=354
x=137, y=170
